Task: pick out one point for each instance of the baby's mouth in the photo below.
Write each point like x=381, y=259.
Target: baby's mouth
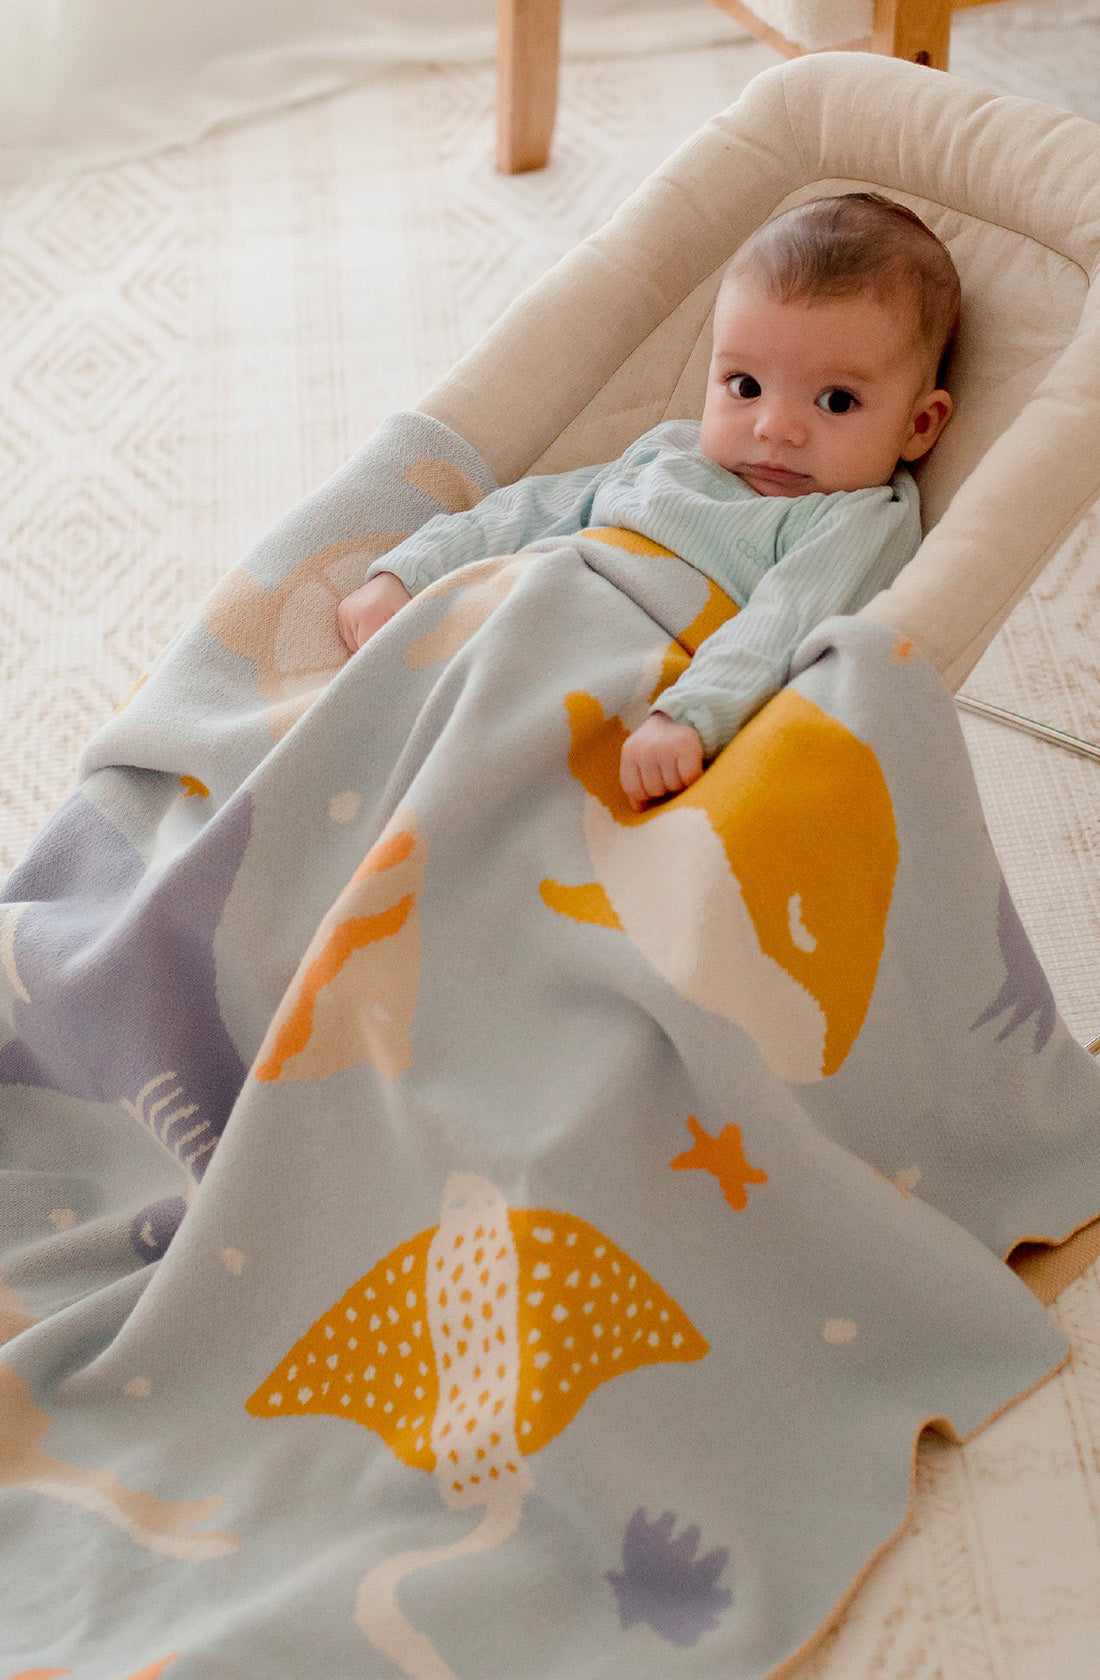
x=779, y=477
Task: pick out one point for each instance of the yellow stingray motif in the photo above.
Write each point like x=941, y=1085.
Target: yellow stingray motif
x=353, y=997
x=467, y=1349
x=760, y=892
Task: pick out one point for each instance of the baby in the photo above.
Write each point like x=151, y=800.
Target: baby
x=833, y=328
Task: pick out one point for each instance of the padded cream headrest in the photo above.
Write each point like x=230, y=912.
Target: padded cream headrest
x=616, y=337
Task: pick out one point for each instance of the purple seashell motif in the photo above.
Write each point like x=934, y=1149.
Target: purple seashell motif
x=1026, y=990
x=664, y=1584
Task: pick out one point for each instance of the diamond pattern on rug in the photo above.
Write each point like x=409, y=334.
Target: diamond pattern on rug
x=94, y=298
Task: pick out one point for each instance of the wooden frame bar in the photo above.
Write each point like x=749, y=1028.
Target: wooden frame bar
x=527, y=82
x=528, y=50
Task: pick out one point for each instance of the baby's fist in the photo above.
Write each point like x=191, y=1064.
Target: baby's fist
x=659, y=757
x=367, y=608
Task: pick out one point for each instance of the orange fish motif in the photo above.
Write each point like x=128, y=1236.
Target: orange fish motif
x=761, y=891
x=466, y=1350
x=353, y=997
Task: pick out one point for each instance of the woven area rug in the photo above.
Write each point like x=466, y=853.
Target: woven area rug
x=191, y=342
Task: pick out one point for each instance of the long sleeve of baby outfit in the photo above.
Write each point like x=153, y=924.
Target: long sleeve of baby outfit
x=855, y=546
x=547, y=505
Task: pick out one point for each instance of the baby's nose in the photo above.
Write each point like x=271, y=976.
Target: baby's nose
x=779, y=422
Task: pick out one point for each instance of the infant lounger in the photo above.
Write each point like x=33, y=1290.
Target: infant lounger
x=454, y=1226
x=620, y=332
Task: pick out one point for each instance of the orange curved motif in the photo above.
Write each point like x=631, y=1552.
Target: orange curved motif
x=152, y=1671
x=353, y=997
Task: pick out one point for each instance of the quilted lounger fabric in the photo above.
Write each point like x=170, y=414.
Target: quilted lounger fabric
x=454, y=1226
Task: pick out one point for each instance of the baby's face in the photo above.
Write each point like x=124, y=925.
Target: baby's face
x=821, y=394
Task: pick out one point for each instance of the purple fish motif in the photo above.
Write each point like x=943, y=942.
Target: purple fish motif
x=117, y=983
x=1026, y=990
x=664, y=1584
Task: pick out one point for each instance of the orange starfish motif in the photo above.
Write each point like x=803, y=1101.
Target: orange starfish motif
x=724, y=1157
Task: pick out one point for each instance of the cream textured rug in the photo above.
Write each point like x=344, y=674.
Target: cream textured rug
x=191, y=342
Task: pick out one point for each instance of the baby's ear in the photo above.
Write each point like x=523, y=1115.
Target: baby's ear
x=931, y=416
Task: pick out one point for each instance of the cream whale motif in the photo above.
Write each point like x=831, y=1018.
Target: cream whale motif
x=697, y=931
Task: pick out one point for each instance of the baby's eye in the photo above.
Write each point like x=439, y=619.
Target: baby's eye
x=743, y=385
x=836, y=401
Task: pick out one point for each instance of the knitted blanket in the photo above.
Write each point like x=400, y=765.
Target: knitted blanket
x=453, y=1225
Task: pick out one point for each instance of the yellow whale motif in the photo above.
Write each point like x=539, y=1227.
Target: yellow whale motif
x=466, y=1350
x=760, y=892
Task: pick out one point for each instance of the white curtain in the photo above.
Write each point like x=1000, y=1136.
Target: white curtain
x=89, y=82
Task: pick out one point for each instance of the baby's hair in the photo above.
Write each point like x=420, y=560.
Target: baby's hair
x=838, y=247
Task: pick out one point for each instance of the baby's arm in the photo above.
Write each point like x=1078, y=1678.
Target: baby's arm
x=852, y=552
x=546, y=505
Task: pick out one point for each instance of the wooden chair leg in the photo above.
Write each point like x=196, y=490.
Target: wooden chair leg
x=919, y=30
x=527, y=82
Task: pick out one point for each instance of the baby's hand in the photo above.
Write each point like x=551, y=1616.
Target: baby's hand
x=370, y=606
x=659, y=757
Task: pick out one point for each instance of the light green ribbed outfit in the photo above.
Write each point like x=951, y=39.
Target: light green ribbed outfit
x=788, y=561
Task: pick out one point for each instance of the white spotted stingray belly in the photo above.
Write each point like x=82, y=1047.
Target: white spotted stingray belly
x=472, y=1297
